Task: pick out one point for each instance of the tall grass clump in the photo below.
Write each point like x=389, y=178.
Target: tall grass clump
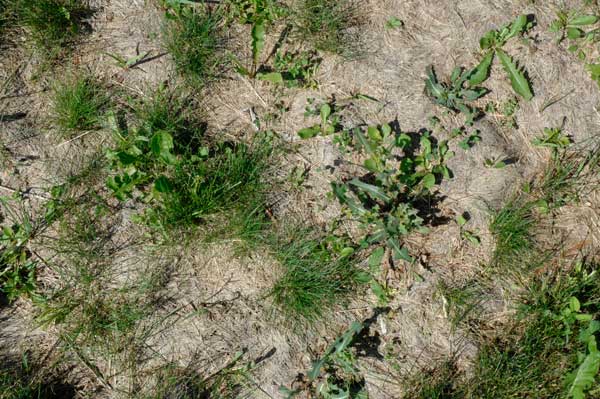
x=315, y=279
x=79, y=103
x=195, y=37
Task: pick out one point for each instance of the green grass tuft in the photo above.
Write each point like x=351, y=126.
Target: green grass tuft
x=79, y=103
x=194, y=36
x=52, y=24
x=330, y=26
x=314, y=280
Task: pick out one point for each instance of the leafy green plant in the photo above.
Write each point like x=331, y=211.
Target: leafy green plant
x=79, y=103
x=553, y=138
x=330, y=26
x=258, y=14
x=293, y=69
x=330, y=122
x=570, y=24
x=454, y=95
x=394, y=23
x=195, y=38
x=323, y=378
x=594, y=70
x=492, y=43
x=466, y=234
x=17, y=268
x=166, y=162
x=384, y=200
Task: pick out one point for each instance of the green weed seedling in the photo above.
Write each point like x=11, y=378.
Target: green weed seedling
x=466, y=234
x=555, y=139
x=259, y=14
x=330, y=122
x=491, y=43
x=335, y=374
x=571, y=24
x=384, y=199
x=454, y=95
x=293, y=69
x=17, y=268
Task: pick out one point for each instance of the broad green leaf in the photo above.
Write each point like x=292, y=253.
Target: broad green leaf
x=481, y=72
x=518, y=26
x=371, y=190
x=309, y=132
x=161, y=145
x=488, y=40
x=434, y=89
x=393, y=23
x=379, y=291
x=474, y=94
x=583, y=20
x=375, y=259
x=428, y=181
x=517, y=79
x=574, y=33
x=163, y=185
x=372, y=165
x=363, y=142
x=586, y=373
x=374, y=133
x=258, y=40
x=574, y=304
x=325, y=112
x=273, y=77
x=345, y=252
x=461, y=220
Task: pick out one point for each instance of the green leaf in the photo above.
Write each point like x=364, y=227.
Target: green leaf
x=518, y=26
x=374, y=133
x=375, y=259
x=393, y=23
x=517, y=79
x=461, y=220
x=258, y=40
x=163, y=185
x=583, y=20
x=586, y=373
x=481, y=72
x=325, y=112
x=379, y=291
x=428, y=181
x=309, y=132
x=371, y=190
x=273, y=77
x=574, y=304
x=161, y=145
x=574, y=33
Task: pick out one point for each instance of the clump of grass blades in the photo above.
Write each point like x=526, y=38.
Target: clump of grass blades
x=194, y=36
x=24, y=382
x=512, y=227
x=52, y=24
x=88, y=304
x=330, y=26
x=228, y=183
x=79, y=103
x=533, y=356
x=314, y=279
